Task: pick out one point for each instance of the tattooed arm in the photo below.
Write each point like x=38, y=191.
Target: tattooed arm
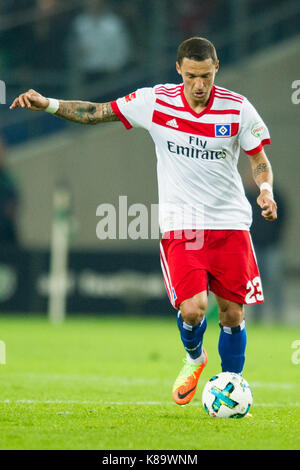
x=262, y=173
x=82, y=112
x=85, y=112
x=261, y=169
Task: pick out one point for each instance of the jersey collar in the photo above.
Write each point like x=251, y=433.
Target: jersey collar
x=205, y=110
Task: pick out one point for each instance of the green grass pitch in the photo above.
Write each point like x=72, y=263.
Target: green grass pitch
x=105, y=383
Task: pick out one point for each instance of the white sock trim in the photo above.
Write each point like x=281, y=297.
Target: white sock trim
x=199, y=360
x=228, y=329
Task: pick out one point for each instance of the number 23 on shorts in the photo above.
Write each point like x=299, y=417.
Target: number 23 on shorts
x=254, y=293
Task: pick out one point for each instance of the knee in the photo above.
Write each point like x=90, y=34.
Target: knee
x=193, y=311
x=231, y=316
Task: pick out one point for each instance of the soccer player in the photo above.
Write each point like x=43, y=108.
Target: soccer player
x=198, y=129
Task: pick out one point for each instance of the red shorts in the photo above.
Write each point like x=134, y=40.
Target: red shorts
x=222, y=261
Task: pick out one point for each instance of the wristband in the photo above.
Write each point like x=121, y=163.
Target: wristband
x=53, y=106
x=266, y=186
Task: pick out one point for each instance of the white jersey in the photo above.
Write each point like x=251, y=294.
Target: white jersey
x=197, y=154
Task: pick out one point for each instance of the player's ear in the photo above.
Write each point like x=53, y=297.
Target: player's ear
x=217, y=66
x=178, y=68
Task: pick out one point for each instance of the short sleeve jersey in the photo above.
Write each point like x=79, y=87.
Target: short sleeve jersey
x=197, y=154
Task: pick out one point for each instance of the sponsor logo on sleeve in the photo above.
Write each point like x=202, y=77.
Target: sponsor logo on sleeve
x=257, y=129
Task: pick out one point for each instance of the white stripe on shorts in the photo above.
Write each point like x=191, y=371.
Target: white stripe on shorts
x=166, y=274
x=252, y=246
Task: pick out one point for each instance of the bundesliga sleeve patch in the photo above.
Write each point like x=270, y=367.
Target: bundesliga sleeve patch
x=222, y=130
x=130, y=97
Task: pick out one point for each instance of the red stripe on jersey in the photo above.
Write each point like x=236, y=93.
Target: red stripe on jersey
x=211, y=111
x=168, y=105
x=167, y=94
x=259, y=147
x=191, y=127
x=167, y=91
x=116, y=110
x=227, y=92
x=227, y=97
x=224, y=111
x=171, y=90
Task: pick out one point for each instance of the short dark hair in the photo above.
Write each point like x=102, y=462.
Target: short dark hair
x=197, y=48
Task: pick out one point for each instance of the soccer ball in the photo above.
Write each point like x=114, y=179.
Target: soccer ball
x=227, y=395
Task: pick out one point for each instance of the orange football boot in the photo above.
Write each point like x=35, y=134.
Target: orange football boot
x=186, y=383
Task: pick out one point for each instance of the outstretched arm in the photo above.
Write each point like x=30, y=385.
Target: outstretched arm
x=262, y=173
x=85, y=112
x=82, y=112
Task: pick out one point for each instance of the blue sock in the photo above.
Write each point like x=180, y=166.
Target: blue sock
x=192, y=336
x=232, y=346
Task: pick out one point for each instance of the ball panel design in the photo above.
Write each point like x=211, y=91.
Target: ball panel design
x=227, y=395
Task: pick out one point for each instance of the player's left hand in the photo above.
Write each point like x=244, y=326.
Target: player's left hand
x=269, y=207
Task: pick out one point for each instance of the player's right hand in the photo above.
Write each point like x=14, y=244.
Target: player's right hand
x=31, y=99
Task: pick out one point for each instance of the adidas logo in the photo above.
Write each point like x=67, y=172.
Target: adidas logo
x=172, y=123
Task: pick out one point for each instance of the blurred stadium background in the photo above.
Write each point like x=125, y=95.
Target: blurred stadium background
x=45, y=45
